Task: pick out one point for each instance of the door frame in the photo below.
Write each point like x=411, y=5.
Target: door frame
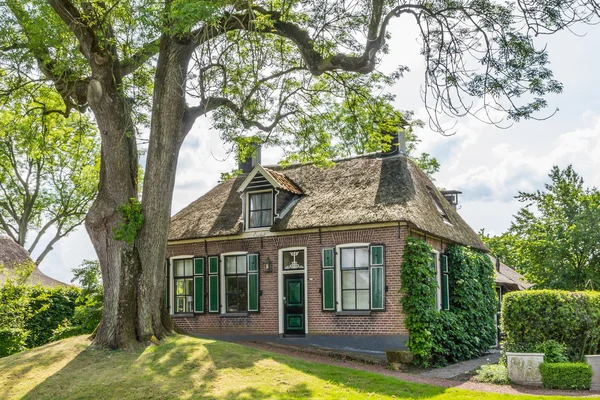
x=280, y=274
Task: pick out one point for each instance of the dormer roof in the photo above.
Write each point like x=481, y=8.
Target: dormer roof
x=276, y=179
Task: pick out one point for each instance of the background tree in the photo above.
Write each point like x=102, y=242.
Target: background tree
x=554, y=238
x=262, y=70
x=48, y=167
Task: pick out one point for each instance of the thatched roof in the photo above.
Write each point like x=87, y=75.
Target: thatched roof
x=358, y=190
x=12, y=255
x=506, y=276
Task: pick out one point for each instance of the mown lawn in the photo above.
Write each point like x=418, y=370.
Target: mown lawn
x=191, y=368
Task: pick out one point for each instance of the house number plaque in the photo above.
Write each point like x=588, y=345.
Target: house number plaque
x=293, y=260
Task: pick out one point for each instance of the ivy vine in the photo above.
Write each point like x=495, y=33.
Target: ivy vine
x=133, y=219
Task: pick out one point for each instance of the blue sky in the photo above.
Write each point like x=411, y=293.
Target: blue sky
x=489, y=165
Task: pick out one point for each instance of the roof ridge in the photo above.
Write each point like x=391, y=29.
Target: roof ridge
x=374, y=154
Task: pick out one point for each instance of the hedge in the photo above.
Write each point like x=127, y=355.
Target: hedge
x=566, y=375
x=530, y=318
x=468, y=327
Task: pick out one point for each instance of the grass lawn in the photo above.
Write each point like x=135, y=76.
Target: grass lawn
x=187, y=367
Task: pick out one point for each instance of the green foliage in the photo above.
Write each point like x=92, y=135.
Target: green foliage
x=554, y=352
x=439, y=337
x=133, y=219
x=566, y=375
x=530, y=319
x=493, y=373
x=33, y=313
x=12, y=340
x=554, y=238
x=48, y=166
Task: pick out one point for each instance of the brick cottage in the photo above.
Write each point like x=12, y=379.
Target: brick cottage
x=307, y=251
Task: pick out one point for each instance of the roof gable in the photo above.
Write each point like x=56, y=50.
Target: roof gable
x=264, y=178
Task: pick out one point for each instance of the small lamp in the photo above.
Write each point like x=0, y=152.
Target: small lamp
x=268, y=265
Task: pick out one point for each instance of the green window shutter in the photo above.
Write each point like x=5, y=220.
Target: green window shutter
x=253, y=292
x=253, y=263
x=328, y=279
x=213, y=265
x=444, y=264
x=376, y=255
x=213, y=285
x=199, y=294
x=377, y=289
x=167, y=283
x=199, y=266
x=377, y=272
x=328, y=289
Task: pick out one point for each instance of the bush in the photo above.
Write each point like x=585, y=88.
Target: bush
x=493, y=373
x=468, y=328
x=566, y=375
x=12, y=340
x=530, y=318
x=554, y=352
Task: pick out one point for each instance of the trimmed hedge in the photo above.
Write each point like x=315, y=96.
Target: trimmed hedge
x=468, y=328
x=530, y=318
x=566, y=375
x=12, y=340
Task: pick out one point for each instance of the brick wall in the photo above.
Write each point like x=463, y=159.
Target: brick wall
x=388, y=322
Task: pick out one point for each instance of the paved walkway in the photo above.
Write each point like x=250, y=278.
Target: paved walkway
x=454, y=370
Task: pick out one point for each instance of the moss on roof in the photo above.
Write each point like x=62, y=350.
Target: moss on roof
x=359, y=190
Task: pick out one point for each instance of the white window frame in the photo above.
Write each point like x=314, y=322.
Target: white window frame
x=222, y=294
x=438, y=280
x=247, y=210
x=338, y=272
x=280, y=273
x=172, y=284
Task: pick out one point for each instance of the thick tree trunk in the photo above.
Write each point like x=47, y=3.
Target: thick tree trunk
x=133, y=275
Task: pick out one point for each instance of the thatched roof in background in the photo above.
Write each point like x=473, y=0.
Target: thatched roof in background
x=508, y=277
x=12, y=255
x=359, y=190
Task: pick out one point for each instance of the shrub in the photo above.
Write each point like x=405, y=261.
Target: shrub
x=493, y=373
x=566, y=375
x=468, y=328
x=530, y=318
x=12, y=340
x=554, y=352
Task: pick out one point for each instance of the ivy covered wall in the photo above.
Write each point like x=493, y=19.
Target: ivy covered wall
x=465, y=330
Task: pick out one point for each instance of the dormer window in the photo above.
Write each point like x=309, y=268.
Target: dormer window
x=260, y=210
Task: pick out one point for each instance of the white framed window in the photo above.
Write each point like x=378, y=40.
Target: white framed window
x=239, y=283
x=183, y=286
x=236, y=284
x=260, y=209
x=354, y=264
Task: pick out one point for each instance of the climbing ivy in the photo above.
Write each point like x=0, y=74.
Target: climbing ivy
x=468, y=328
x=133, y=219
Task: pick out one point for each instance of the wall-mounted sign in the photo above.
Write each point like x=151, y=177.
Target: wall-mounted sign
x=293, y=260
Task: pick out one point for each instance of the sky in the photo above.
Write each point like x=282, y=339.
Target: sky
x=489, y=165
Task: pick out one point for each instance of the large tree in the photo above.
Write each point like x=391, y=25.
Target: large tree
x=554, y=238
x=263, y=71
x=48, y=167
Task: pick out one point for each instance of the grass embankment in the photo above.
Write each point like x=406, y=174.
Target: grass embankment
x=186, y=367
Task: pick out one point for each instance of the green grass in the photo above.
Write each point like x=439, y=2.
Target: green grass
x=191, y=368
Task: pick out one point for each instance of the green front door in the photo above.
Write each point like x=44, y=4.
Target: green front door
x=294, y=304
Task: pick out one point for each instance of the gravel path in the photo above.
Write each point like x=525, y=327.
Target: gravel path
x=446, y=383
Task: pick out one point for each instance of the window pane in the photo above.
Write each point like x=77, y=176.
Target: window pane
x=255, y=202
x=231, y=284
x=267, y=200
x=179, y=304
x=241, y=264
x=190, y=304
x=242, y=288
x=179, y=267
x=362, y=257
x=189, y=287
x=255, y=219
x=232, y=303
x=362, y=299
x=179, y=287
x=265, y=218
x=362, y=279
x=189, y=267
x=230, y=265
x=348, y=280
x=348, y=300
x=347, y=258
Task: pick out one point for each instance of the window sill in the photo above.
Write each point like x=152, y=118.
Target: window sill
x=233, y=315
x=191, y=315
x=352, y=313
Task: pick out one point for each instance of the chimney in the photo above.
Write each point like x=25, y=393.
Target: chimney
x=451, y=196
x=397, y=145
x=498, y=264
x=249, y=163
